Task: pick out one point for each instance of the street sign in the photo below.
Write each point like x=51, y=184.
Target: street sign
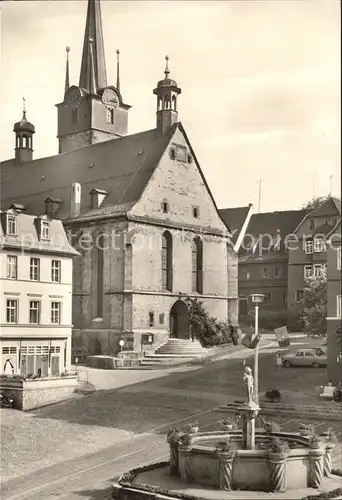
x=282, y=336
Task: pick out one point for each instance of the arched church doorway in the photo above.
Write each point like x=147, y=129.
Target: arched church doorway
x=179, y=321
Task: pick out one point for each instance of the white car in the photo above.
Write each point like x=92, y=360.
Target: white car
x=314, y=357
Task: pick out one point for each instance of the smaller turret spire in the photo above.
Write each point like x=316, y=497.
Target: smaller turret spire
x=167, y=92
x=24, y=108
x=67, y=84
x=118, y=69
x=167, y=71
x=92, y=88
x=24, y=131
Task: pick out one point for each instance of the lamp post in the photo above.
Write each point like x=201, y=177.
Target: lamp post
x=257, y=298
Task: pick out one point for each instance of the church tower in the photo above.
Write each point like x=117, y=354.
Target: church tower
x=24, y=131
x=166, y=92
x=91, y=112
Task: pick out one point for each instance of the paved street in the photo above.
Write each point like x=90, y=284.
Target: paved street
x=58, y=448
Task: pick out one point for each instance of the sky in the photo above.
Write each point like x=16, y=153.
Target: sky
x=260, y=85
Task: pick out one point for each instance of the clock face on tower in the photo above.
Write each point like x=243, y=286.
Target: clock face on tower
x=110, y=97
x=73, y=96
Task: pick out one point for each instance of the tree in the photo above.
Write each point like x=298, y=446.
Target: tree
x=208, y=330
x=315, y=304
x=315, y=202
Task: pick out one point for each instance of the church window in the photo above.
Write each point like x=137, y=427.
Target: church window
x=195, y=212
x=99, y=299
x=165, y=207
x=167, y=261
x=110, y=115
x=197, y=265
x=181, y=154
x=74, y=115
x=151, y=318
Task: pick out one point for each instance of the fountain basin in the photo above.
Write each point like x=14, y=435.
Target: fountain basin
x=200, y=462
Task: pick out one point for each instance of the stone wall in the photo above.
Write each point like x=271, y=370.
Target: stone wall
x=30, y=394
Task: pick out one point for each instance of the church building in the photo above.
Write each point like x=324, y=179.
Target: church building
x=136, y=207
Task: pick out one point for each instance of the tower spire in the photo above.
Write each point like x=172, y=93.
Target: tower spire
x=67, y=84
x=118, y=69
x=93, y=30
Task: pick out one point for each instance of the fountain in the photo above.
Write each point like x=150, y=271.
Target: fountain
x=232, y=458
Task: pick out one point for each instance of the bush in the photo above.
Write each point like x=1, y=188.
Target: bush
x=208, y=330
x=325, y=496
x=273, y=395
x=315, y=304
x=295, y=322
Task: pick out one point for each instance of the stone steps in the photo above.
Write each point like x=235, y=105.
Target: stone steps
x=175, y=351
x=286, y=409
x=181, y=346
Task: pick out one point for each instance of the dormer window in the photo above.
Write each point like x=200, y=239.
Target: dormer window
x=18, y=208
x=195, y=212
x=97, y=197
x=110, y=115
x=52, y=205
x=319, y=245
x=45, y=230
x=11, y=224
x=308, y=246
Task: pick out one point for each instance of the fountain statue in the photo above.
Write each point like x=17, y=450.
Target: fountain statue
x=249, y=381
x=232, y=458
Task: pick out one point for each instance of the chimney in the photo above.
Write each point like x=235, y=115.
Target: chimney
x=75, y=199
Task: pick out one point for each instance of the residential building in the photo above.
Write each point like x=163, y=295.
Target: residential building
x=263, y=258
x=137, y=207
x=308, y=252
x=334, y=244
x=36, y=294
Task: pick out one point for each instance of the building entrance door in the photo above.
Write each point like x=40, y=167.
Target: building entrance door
x=179, y=321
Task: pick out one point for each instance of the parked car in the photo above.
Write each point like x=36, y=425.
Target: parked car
x=315, y=357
